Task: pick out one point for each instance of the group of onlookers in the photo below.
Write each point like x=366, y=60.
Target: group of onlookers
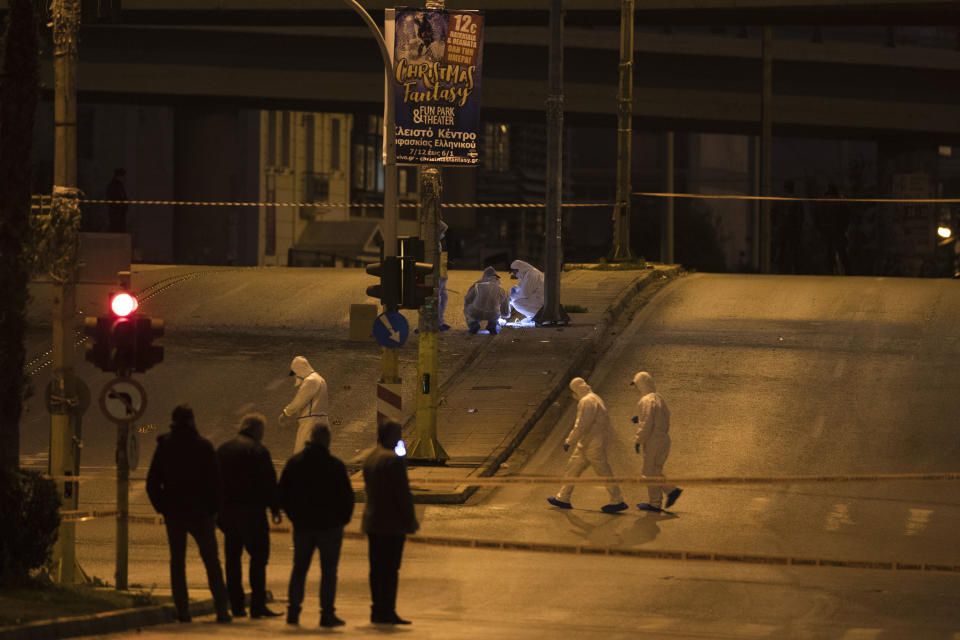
x=197, y=488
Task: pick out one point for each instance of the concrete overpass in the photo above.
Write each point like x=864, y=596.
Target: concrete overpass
x=314, y=54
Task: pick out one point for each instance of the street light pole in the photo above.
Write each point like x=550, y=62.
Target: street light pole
x=552, y=313
x=64, y=414
x=389, y=357
x=621, y=216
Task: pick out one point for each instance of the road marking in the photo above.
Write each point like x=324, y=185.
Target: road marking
x=654, y=624
x=756, y=630
x=839, y=517
x=918, y=520
x=860, y=633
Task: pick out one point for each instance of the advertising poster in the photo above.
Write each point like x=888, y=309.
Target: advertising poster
x=436, y=63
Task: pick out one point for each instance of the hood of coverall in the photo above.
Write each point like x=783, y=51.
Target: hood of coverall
x=301, y=368
x=522, y=268
x=643, y=381
x=580, y=387
x=490, y=274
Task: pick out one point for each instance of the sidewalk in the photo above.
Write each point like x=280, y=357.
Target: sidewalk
x=488, y=407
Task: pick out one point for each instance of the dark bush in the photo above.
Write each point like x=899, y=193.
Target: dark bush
x=30, y=509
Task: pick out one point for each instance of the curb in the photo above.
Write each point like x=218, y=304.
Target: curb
x=582, y=362
x=106, y=622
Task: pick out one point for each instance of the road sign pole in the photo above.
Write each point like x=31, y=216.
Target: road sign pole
x=123, y=504
x=426, y=448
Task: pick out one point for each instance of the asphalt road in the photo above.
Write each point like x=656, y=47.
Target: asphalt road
x=772, y=376
x=764, y=375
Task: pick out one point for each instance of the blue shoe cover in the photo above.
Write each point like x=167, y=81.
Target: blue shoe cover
x=672, y=497
x=560, y=503
x=613, y=508
x=444, y=327
x=646, y=506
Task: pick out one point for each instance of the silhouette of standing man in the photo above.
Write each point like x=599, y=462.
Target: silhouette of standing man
x=387, y=519
x=117, y=212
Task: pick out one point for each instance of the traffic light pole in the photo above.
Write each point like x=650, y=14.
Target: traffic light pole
x=65, y=417
x=123, y=504
x=390, y=380
x=426, y=449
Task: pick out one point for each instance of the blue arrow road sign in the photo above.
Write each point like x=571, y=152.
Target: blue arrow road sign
x=390, y=329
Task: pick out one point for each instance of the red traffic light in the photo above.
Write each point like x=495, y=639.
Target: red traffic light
x=123, y=304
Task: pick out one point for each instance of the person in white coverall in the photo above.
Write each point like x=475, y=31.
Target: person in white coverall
x=653, y=436
x=589, y=437
x=527, y=296
x=486, y=301
x=309, y=405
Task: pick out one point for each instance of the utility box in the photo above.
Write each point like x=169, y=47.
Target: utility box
x=362, y=317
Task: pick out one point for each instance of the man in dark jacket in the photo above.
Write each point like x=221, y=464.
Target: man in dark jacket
x=316, y=494
x=387, y=519
x=184, y=485
x=249, y=488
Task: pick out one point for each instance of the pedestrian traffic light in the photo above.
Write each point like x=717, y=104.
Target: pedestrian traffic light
x=388, y=291
x=415, y=287
x=147, y=353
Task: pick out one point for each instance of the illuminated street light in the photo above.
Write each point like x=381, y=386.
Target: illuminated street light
x=944, y=232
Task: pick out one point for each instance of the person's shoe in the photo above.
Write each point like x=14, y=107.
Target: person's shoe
x=614, y=508
x=264, y=613
x=646, y=506
x=473, y=327
x=293, y=617
x=330, y=620
x=559, y=503
x=672, y=497
x=492, y=328
x=224, y=618
x=390, y=619
x=185, y=618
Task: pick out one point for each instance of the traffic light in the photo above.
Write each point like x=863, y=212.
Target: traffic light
x=122, y=341
x=123, y=333
x=148, y=354
x=415, y=287
x=98, y=343
x=388, y=291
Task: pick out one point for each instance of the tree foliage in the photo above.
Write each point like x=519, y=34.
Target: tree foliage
x=19, y=89
x=31, y=518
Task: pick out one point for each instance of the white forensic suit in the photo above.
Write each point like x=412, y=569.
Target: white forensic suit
x=590, y=436
x=653, y=433
x=486, y=301
x=527, y=296
x=309, y=406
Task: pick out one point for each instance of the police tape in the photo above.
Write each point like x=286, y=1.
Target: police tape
x=682, y=480
x=635, y=480
x=705, y=196
x=341, y=205
x=521, y=205
x=593, y=550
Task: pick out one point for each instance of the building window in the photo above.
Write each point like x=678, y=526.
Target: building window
x=271, y=138
x=496, y=146
x=285, y=139
x=311, y=143
x=335, y=144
